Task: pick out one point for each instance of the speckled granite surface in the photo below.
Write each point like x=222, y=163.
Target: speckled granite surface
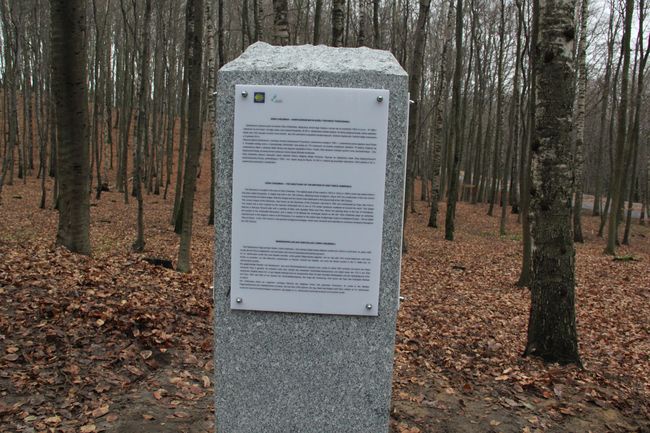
x=300, y=373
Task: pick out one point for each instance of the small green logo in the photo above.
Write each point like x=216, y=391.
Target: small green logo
x=259, y=97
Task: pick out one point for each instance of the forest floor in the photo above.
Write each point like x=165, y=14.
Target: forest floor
x=111, y=343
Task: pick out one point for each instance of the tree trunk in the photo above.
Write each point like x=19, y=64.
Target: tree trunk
x=317, y=18
x=338, y=22
x=194, y=18
x=414, y=90
x=456, y=104
x=643, y=54
x=525, y=162
x=141, y=142
x=510, y=144
x=68, y=45
x=616, y=185
x=376, y=31
x=580, y=124
x=552, y=333
x=603, y=116
x=611, y=132
x=11, y=54
x=257, y=19
x=499, y=122
x=439, y=106
x=280, y=22
x=246, y=26
x=212, y=115
x=177, y=214
x=96, y=124
x=363, y=17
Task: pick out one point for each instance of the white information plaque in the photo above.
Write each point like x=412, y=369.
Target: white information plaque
x=308, y=199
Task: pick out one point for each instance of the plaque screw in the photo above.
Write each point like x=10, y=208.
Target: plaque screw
x=239, y=300
x=244, y=93
x=380, y=99
x=368, y=306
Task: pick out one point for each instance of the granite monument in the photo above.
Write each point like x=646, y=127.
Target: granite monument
x=285, y=372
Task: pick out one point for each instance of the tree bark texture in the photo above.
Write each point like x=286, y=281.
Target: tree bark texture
x=318, y=11
x=603, y=117
x=212, y=108
x=616, y=185
x=579, y=160
x=69, y=39
x=338, y=22
x=439, y=108
x=415, y=80
x=194, y=126
x=280, y=22
x=141, y=138
x=456, y=104
x=643, y=52
x=552, y=331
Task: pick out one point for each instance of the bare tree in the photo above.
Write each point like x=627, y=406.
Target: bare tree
x=456, y=104
x=376, y=30
x=579, y=160
x=643, y=52
x=617, y=183
x=212, y=112
x=338, y=22
x=280, y=22
x=68, y=33
x=194, y=13
x=414, y=90
x=318, y=10
x=143, y=94
x=363, y=23
x=439, y=107
x=603, y=114
x=552, y=331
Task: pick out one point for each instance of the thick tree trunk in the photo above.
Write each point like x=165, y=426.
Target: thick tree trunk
x=194, y=13
x=11, y=53
x=552, y=331
x=68, y=44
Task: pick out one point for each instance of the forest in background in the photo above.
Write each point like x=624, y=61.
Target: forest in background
x=138, y=61
x=109, y=342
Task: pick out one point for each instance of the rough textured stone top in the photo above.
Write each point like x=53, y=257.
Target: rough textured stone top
x=321, y=58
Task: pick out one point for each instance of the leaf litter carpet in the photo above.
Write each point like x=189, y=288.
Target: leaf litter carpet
x=111, y=343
